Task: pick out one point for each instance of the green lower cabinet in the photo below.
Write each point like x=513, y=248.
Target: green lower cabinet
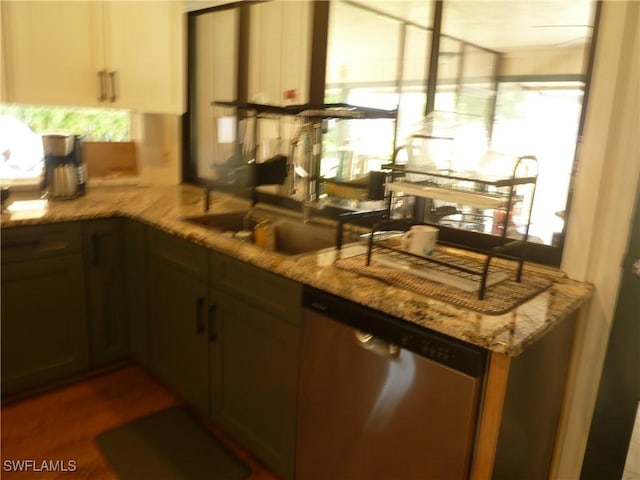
x=44, y=322
x=178, y=309
x=254, y=378
x=103, y=242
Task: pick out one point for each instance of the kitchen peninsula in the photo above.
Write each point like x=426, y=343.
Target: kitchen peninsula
x=512, y=339
x=165, y=207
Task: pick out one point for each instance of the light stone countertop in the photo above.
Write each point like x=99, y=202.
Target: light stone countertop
x=164, y=208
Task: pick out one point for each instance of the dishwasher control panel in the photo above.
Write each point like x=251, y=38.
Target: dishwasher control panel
x=453, y=353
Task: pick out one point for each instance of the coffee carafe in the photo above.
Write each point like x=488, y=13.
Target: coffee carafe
x=65, y=173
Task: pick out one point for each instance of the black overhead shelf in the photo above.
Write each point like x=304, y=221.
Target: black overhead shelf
x=327, y=110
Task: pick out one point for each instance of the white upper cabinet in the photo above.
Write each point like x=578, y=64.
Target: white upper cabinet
x=53, y=52
x=110, y=54
x=144, y=55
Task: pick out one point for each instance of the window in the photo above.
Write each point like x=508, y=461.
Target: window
x=21, y=128
x=500, y=65
x=386, y=71
x=20, y=150
x=214, y=61
x=542, y=118
x=499, y=73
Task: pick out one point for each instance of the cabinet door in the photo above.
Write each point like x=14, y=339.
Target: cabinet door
x=254, y=375
x=106, y=290
x=44, y=322
x=177, y=273
x=144, y=55
x=265, y=290
x=179, y=346
x=54, y=52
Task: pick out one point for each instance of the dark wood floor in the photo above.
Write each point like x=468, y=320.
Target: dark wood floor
x=61, y=424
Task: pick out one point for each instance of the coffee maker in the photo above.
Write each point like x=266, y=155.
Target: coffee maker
x=65, y=173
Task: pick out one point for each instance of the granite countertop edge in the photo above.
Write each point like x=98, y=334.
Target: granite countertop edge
x=165, y=208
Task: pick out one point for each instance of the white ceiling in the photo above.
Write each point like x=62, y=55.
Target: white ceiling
x=502, y=25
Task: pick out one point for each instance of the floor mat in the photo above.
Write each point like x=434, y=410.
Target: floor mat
x=171, y=445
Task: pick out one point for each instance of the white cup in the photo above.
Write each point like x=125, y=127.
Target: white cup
x=420, y=240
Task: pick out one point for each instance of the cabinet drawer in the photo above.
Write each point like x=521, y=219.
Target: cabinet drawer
x=40, y=241
x=269, y=291
x=190, y=258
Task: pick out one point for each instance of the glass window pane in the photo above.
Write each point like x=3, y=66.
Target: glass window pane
x=540, y=45
x=524, y=125
x=215, y=80
x=362, y=69
x=413, y=94
x=476, y=91
x=362, y=46
x=386, y=69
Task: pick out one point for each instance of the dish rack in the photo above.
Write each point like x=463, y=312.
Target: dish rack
x=311, y=118
x=478, y=192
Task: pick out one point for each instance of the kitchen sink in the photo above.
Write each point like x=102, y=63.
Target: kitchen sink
x=295, y=238
x=227, y=221
x=292, y=236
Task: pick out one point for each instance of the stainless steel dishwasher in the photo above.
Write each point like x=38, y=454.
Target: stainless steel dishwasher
x=381, y=398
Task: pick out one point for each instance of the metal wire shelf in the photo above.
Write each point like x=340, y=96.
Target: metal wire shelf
x=474, y=190
x=464, y=272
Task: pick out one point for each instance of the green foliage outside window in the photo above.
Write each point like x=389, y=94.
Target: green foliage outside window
x=94, y=124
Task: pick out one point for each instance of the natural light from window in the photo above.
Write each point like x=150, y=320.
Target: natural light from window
x=21, y=127
x=522, y=126
x=525, y=126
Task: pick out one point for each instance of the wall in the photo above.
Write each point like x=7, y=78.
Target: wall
x=159, y=143
x=607, y=179
x=558, y=61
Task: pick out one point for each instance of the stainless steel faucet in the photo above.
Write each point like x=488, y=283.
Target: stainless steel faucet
x=304, y=131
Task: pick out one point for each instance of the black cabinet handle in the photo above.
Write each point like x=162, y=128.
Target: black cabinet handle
x=101, y=80
x=213, y=334
x=114, y=92
x=200, y=315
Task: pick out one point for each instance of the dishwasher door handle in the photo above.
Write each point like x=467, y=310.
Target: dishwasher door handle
x=319, y=306
x=375, y=345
